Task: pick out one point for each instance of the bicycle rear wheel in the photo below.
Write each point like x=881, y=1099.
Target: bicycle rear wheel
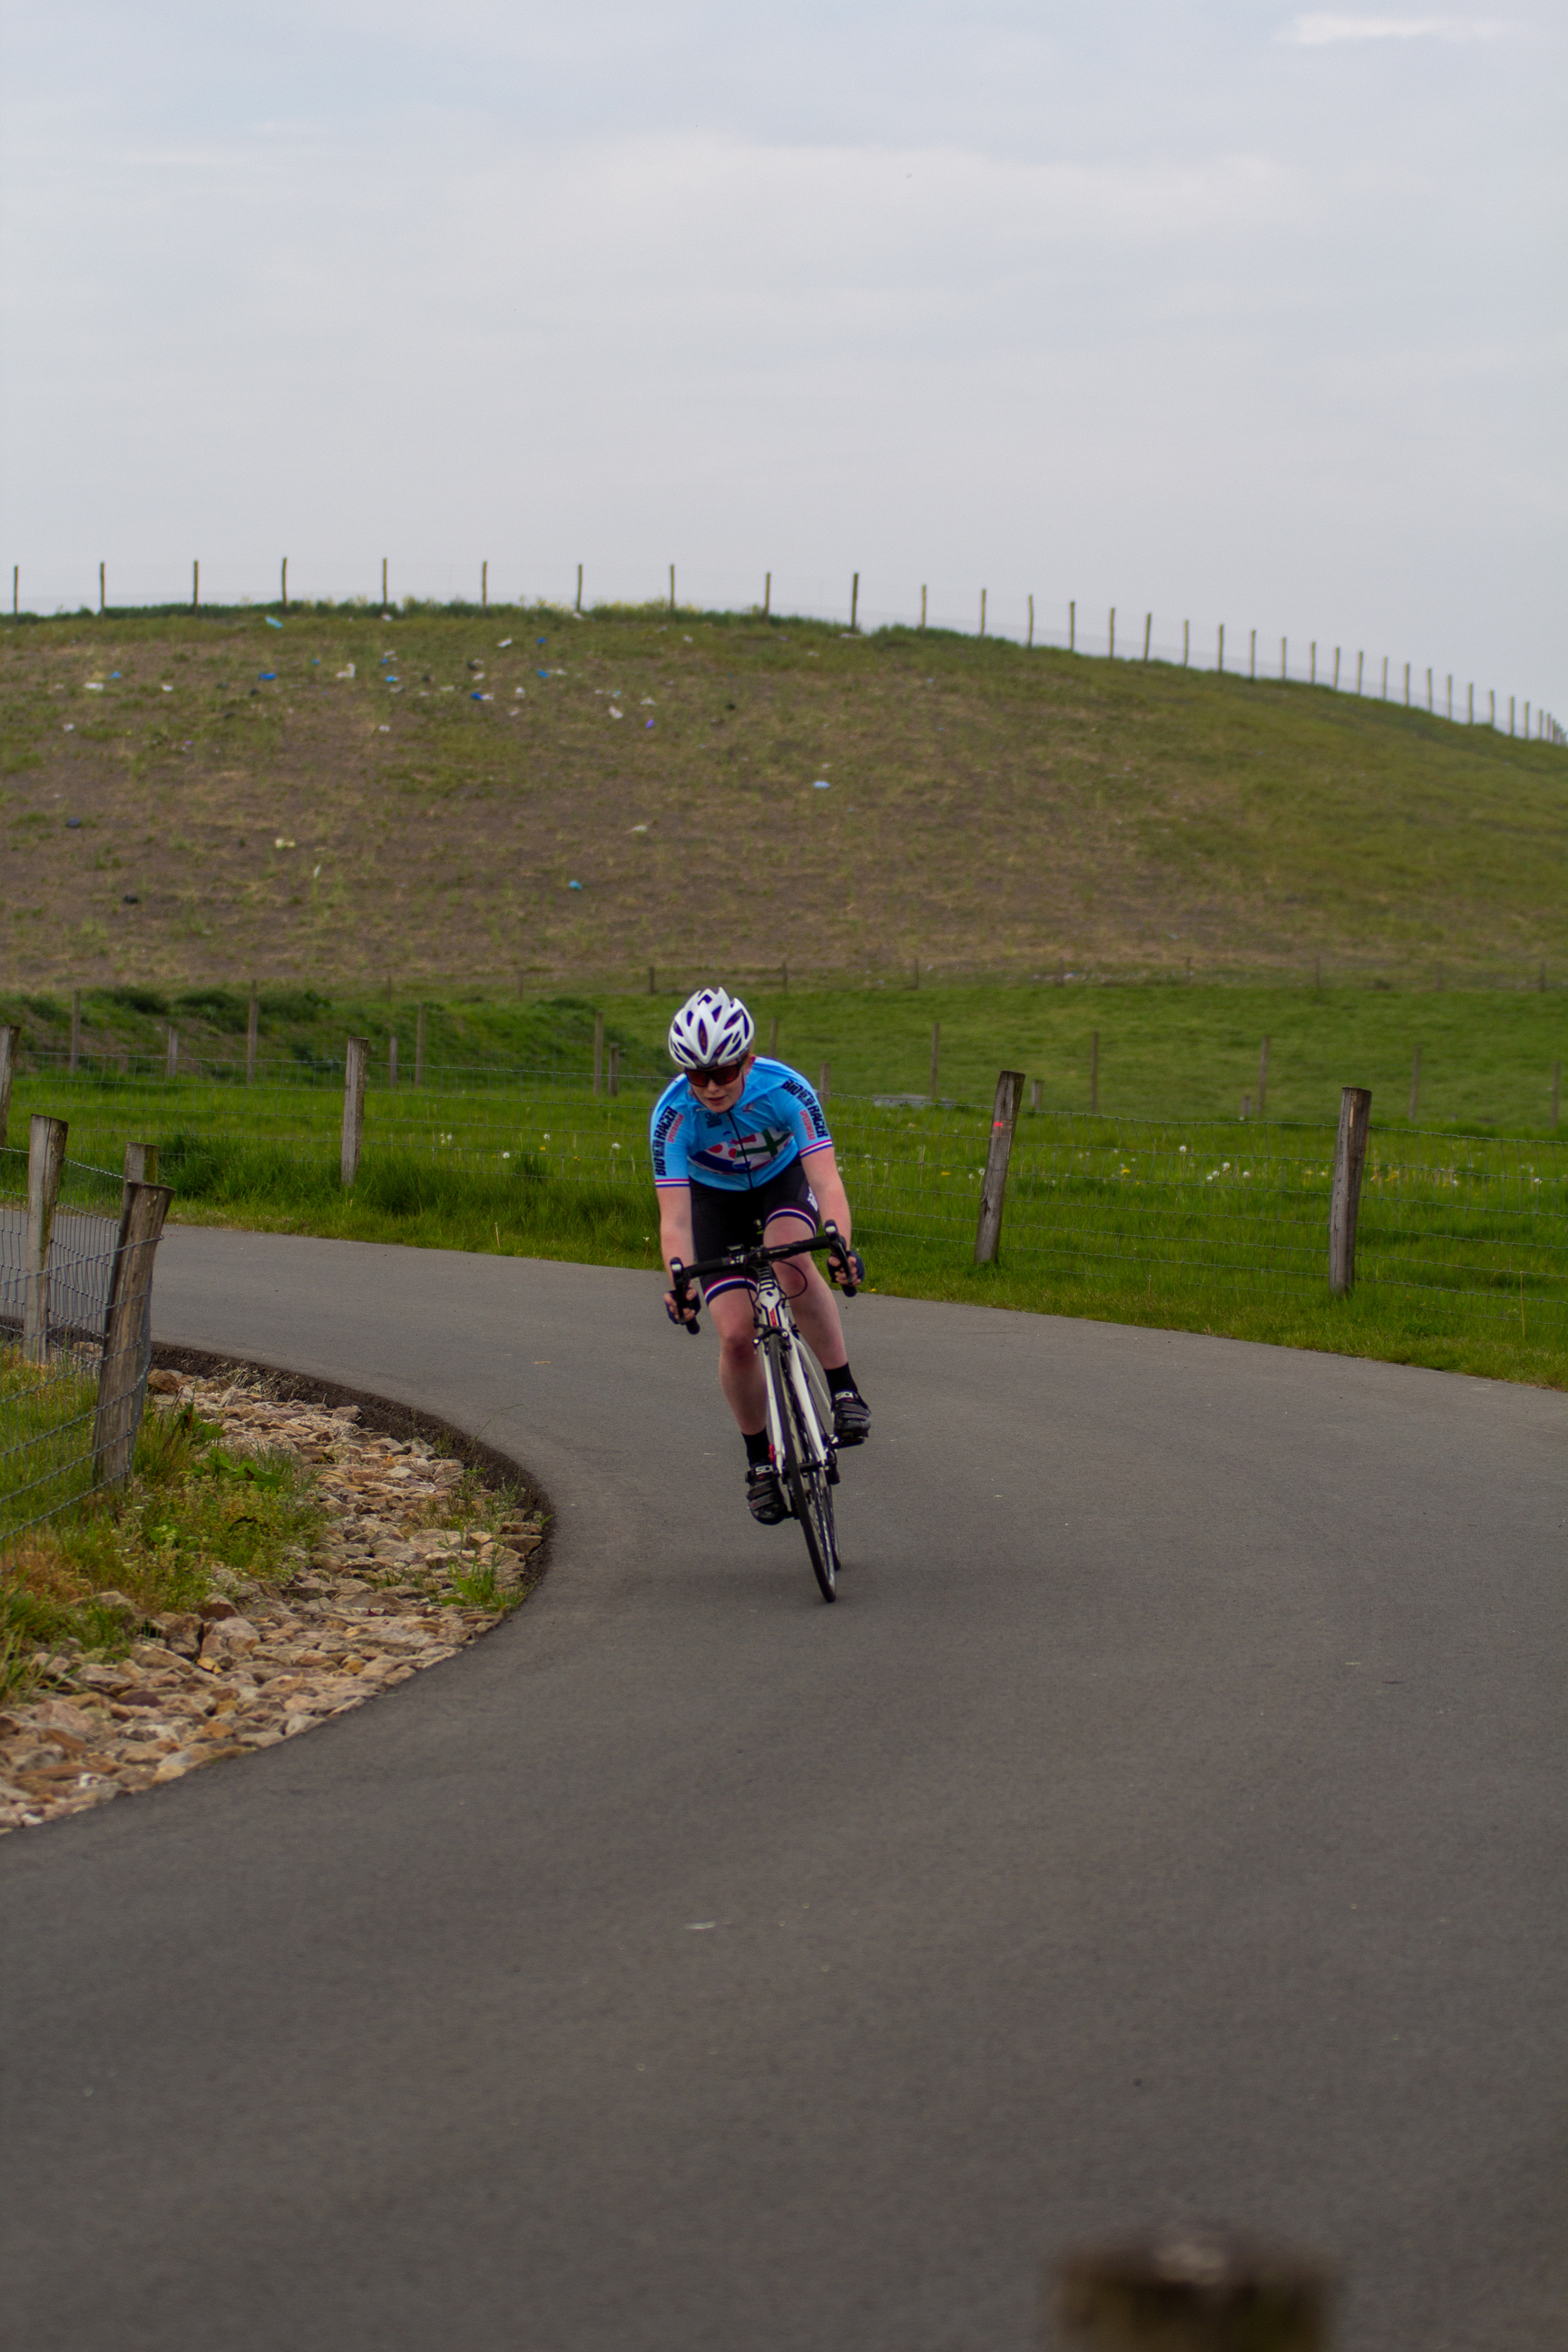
x=806, y=1481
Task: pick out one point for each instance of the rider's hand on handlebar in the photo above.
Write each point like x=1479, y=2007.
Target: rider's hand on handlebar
x=674, y=1309
x=851, y=1265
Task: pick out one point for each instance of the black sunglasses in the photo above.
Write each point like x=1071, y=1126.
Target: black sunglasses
x=717, y=1074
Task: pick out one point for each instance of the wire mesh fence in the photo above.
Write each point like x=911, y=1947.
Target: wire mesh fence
x=1476, y=1222
x=71, y=1390
x=1226, y=1203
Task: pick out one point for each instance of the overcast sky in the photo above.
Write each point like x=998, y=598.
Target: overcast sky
x=1219, y=311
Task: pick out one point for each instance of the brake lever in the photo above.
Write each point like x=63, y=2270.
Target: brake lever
x=838, y=1262
x=680, y=1312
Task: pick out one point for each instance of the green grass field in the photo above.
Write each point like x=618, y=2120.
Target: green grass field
x=446, y=797
x=1165, y=1207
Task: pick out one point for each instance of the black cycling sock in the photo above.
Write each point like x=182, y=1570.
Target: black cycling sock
x=758, y=1453
x=840, y=1381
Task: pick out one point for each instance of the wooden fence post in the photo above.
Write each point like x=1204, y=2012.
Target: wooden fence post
x=122, y=1393
x=1556, y=1095
x=356, y=1057
x=101, y=592
x=1416, y=1084
x=1034, y=1087
x=613, y=1072
x=983, y=612
x=854, y=601
x=671, y=588
x=1344, y=1205
x=46, y=1165
x=419, y=1046
x=76, y=1029
x=922, y=607
x=285, y=586
x=171, y=1055
x=935, y=1057
x=1029, y=642
x=767, y=593
x=1190, y=2290
x=993, y=1184
x=252, y=1035
x=1149, y=631
x=1110, y=643
x=598, y=1056
x=7, y=1062
x=197, y=586
x=825, y=1082
x=1072, y=627
x=392, y=1060
x=1094, y=1069
x=141, y=1168
x=579, y=589
x=384, y=579
x=1252, y=654
x=1263, y=1080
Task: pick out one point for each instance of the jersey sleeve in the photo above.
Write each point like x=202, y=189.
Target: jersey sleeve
x=668, y=1132
x=809, y=1121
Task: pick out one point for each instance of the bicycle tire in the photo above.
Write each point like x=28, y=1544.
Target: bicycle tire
x=810, y=1496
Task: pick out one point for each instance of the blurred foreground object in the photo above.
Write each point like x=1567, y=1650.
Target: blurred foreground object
x=1191, y=2290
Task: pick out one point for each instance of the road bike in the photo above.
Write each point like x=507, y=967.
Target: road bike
x=800, y=1408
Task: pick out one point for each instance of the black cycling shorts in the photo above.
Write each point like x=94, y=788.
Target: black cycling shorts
x=724, y=1221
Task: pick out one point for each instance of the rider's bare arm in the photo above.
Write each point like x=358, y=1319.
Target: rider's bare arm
x=832, y=1200
x=675, y=1229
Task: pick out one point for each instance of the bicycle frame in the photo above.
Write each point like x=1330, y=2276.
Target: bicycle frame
x=770, y=1317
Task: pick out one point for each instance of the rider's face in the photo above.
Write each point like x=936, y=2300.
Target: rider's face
x=712, y=1098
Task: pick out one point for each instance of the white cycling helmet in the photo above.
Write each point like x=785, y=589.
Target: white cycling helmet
x=711, y=1026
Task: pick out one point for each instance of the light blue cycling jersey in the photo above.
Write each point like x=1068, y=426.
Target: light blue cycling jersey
x=777, y=1118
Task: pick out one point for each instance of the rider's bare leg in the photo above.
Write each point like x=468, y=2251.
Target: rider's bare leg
x=811, y=1303
x=740, y=1366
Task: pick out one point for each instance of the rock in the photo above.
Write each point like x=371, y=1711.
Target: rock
x=181, y=1629
x=345, y=1412
x=117, y=1604
x=231, y=1637
x=210, y=1611
x=162, y=1383
x=59, y=1714
x=108, y=1678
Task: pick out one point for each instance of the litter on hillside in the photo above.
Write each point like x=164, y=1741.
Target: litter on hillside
x=822, y=785
x=503, y=645
x=574, y=886
x=647, y=722
x=168, y=689
x=95, y=686
x=270, y=622
x=73, y=825
x=615, y=713
x=346, y=673
x=268, y=676
x=70, y=726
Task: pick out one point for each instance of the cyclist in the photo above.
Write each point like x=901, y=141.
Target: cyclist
x=741, y=1153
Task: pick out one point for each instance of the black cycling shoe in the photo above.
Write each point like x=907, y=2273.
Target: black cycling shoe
x=851, y=1418
x=765, y=1496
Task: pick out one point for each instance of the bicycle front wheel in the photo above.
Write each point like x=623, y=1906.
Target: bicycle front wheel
x=805, y=1479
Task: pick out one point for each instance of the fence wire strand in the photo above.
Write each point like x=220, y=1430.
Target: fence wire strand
x=49, y=1409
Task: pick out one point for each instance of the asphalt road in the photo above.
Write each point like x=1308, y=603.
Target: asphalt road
x=1163, y=1823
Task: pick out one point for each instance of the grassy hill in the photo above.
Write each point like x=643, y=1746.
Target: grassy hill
x=352, y=802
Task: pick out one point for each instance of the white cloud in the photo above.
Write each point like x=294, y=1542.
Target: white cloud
x=1314, y=31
